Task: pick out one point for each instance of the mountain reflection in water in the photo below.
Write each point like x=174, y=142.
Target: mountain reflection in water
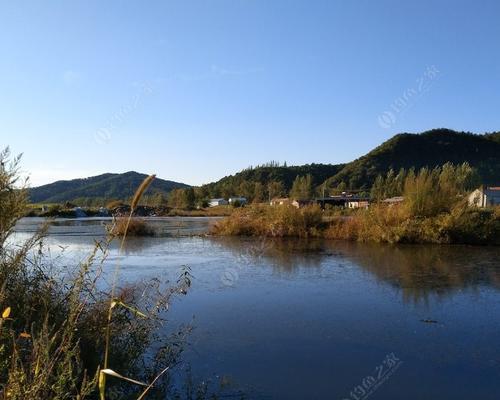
x=417, y=270
x=295, y=319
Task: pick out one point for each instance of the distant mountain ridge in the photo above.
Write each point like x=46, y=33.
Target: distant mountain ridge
x=405, y=150
x=108, y=186
x=428, y=149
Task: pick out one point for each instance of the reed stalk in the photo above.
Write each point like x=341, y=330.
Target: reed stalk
x=135, y=201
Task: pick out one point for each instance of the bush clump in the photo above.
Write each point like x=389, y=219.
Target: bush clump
x=472, y=225
x=132, y=227
x=280, y=221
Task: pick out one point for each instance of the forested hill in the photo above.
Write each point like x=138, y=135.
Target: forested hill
x=106, y=186
x=405, y=150
x=431, y=148
x=243, y=183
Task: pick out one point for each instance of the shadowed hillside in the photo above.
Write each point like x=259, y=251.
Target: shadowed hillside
x=109, y=186
x=432, y=148
x=231, y=185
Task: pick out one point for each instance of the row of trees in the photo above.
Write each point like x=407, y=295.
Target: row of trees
x=433, y=191
x=255, y=192
x=449, y=180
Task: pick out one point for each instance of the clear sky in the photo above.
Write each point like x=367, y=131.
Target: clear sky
x=195, y=90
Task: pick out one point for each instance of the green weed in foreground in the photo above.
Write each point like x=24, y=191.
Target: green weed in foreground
x=61, y=337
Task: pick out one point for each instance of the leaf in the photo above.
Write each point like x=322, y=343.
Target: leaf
x=6, y=313
x=24, y=335
x=143, y=394
x=132, y=309
x=102, y=385
x=110, y=372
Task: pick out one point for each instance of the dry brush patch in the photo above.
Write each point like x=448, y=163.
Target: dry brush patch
x=278, y=221
x=131, y=227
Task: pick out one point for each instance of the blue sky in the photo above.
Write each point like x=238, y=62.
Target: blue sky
x=195, y=90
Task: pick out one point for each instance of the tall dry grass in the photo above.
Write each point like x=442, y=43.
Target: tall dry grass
x=63, y=337
x=380, y=223
x=461, y=225
x=279, y=221
x=133, y=227
x=115, y=302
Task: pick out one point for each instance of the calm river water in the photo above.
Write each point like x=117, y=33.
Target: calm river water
x=291, y=319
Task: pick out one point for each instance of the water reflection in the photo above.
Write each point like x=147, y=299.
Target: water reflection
x=417, y=270
x=309, y=319
x=423, y=270
x=96, y=227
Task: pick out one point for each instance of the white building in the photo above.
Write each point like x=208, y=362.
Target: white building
x=241, y=200
x=357, y=203
x=279, y=201
x=217, y=202
x=392, y=201
x=485, y=197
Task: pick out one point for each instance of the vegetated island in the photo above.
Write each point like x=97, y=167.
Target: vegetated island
x=428, y=206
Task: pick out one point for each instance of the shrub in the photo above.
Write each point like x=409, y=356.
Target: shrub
x=346, y=228
x=113, y=204
x=278, y=221
x=132, y=227
x=472, y=225
x=12, y=200
x=53, y=210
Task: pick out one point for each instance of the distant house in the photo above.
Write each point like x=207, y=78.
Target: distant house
x=217, y=202
x=235, y=200
x=279, y=201
x=485, y=196
x=343, y=200
x=391, y=201
x=302, y=203
x=359, y=203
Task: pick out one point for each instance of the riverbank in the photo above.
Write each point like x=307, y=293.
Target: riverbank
x=270, y=296
x=381, y=224
x=64, y=211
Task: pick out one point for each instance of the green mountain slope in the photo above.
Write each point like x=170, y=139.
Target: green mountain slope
x=405, y=150
x=231, y=185
x=431, y=148
x=109, y=186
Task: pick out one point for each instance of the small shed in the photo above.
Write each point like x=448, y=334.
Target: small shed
x=344, y=200
x=392, y=201
x=302, y=203
x=358, y=203
x=235, y=200
x=485, y=197
x=279, y=201
x=217, y=202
